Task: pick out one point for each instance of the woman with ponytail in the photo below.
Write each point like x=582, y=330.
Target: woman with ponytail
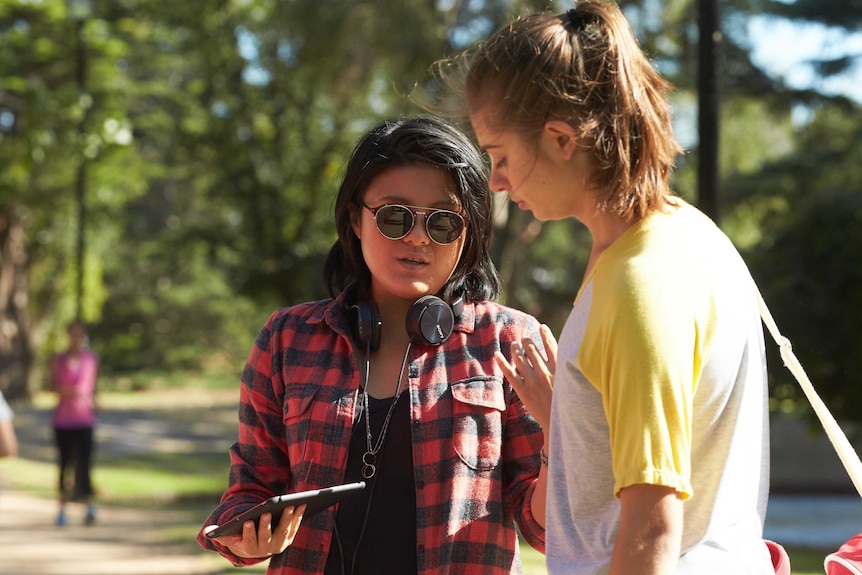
x=658, y=441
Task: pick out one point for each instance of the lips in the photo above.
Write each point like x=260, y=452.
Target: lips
x=413, y=261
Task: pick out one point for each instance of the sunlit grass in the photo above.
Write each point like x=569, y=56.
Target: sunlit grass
x=133, y=480
x=532, y=561
x=805, y=561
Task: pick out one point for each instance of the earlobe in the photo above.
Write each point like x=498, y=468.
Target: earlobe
x=563, y=136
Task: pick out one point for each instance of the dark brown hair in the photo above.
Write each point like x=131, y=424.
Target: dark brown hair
x=583, y=67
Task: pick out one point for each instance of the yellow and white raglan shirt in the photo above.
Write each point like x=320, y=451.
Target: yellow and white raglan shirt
x=661, y=379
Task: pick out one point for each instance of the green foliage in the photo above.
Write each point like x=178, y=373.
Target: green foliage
x=211, y=137
x=808, y=209
x=814, y=293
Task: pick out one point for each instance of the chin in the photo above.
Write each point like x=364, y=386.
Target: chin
x=410, y=294
x=545, y=217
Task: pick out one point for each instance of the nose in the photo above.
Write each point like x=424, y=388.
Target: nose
x=418, y=234
x=498, y=183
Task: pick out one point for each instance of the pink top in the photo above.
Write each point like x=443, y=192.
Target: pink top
x=76, y=374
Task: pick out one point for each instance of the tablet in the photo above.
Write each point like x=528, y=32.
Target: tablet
x=316, y=500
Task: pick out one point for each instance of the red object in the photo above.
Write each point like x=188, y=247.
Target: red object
x=780, y=559
x=847, y=560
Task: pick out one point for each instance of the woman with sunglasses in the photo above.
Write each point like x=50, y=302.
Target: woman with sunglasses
x=393, y=381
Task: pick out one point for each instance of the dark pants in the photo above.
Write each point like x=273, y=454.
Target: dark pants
x=76, y=451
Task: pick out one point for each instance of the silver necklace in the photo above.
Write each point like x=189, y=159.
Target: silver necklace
x=369, y=458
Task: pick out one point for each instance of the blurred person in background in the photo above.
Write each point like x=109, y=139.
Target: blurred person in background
x=73, y=376
x=8, y=437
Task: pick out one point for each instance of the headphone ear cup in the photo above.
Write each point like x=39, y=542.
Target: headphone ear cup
x=430, y=318
x=365, y=324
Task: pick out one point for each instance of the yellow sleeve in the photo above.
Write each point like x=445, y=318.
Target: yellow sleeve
x=642, y=350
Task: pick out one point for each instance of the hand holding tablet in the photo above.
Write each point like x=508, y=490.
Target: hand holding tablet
x=316, y=500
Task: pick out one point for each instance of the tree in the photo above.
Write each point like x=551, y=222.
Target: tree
x=215, y=133
x=39, y=153
x=808, y=207
x=214, y=137
x=267, y=101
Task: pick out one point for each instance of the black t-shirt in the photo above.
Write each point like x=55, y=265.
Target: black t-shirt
x=377, y=525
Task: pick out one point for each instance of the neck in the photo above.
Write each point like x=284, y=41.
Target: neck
x=605, y=229
x=393, y=316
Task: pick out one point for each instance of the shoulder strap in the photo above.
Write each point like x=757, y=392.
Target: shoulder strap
x=839, y=441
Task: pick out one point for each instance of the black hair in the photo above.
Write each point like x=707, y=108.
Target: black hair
x=410, y=141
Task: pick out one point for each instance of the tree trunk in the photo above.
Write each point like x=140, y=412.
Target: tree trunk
x=16, y=355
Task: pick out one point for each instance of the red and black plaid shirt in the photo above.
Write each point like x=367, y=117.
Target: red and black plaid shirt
x=475, y=447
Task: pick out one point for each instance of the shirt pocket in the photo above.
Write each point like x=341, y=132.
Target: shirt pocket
x=297, y=412
x=479, y=405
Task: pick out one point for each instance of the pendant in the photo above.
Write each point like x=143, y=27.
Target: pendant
x=368, y=465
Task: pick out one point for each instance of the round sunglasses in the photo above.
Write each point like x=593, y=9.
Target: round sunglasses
x=395, y=221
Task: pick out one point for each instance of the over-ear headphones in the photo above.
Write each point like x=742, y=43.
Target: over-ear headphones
x=429, y=320
x=365, y=324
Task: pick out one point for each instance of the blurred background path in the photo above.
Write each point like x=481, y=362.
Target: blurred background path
x=123, y=542
x=149, y=537
x=192, y=431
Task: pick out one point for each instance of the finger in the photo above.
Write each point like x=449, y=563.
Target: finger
x=264, y=524
x=264, y=534
x=550, y=343
x=227, y=540
x=534, y=358
x=530, y=351
x=247, y=546
x=249, y=531
x=300, y=512
x=539, y=370
x=534, y=390
x=293, y=525
x=509, y=372
x=519, y=357
x=290, y=516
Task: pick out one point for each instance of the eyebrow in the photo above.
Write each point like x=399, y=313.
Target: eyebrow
x=444, y=204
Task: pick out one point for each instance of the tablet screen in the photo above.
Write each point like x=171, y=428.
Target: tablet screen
x=316, y=500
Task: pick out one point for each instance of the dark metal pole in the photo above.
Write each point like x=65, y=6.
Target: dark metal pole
x=81, y=179
x=708, y=114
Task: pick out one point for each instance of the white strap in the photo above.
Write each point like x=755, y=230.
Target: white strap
x=839, y=441
x=835, y=558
